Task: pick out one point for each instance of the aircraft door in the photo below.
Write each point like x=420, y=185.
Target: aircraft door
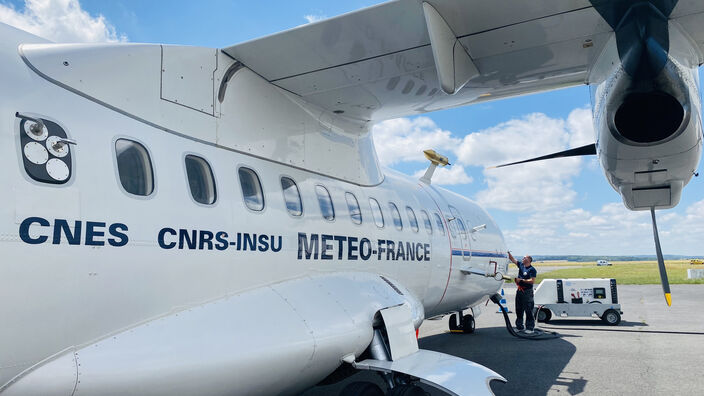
x=457, y=222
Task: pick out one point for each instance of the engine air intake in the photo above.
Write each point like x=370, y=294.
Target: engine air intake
x=648, y=117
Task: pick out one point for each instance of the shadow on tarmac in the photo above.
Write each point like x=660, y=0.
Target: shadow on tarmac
x=531, y=368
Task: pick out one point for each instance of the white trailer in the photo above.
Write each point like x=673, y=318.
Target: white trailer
x=578, y=297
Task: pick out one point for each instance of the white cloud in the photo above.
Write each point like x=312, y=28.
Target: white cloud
x=542, y=185
x=60, y=21
x=535, y=186
x=581, y=127
x=613, y=230
x=311, y=18
x=404, y=139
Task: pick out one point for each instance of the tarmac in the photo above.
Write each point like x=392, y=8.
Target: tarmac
x=655, y=350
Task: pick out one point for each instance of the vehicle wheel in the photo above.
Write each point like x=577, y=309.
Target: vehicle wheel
x=362, y=388
x=544, y=315
x=407, y=390
x=611, y=317
x=454, y=326
x=468, y=324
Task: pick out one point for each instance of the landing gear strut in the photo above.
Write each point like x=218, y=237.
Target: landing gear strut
x=467, y=325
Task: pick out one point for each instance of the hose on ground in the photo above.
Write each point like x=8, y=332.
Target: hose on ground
x=538, y=334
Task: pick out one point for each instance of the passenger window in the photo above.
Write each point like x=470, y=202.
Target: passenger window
x=396, y=216
x=325, y=202
x=460, y=224
x=376, y=212
x=412, y=218
x=438, y=222
x=134, y=167
x=251, y=189
x=292, y=196
x=426, y=222
x=200, y=180
x=353, y=207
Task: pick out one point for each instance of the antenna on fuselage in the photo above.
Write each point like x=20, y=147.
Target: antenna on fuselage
x=435, y=160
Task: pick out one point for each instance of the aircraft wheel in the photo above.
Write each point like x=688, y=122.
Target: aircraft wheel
x=454, y=326
x=362, y=388
x=611, y=317
x=544, y=315
x=468, y=324
x=407, y=390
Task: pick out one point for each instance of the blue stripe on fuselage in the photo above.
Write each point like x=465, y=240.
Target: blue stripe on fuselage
x=456, y=252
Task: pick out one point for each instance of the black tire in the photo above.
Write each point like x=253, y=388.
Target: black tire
x=454, y=326
x=407, y=390
x=544, y=315
x=611, y=317
x=468, y=324
x=362, y=388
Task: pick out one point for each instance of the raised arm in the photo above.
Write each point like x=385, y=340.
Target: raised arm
x=510, y=257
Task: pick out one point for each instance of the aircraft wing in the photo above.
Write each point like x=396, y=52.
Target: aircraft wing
x=378, y=63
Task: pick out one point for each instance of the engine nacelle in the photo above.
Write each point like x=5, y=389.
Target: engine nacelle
x=648, y=124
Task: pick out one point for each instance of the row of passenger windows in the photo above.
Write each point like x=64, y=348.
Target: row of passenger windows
x=137, y=177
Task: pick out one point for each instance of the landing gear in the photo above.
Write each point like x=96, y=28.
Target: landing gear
x=466, y=327
x=362, y=388
x=468, y=324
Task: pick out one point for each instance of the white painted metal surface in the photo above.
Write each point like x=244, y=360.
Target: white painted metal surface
x=400, y=331
x=155, y=294
x=448, y=373
x=188, y=76
x=452, y=62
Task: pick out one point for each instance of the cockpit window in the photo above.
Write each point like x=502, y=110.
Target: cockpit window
x=438, y=222
x=353, y=207
x=326, y=208
x=396, y=216
x=412, y=218
x=134, y=167
x=292, y=196
x=251, y=189
x=426, y=222
x=200, y=180
x=376, y=212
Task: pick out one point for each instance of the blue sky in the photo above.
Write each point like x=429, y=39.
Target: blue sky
x=560, y=207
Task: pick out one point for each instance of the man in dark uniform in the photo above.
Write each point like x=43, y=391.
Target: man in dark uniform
x=524, y=294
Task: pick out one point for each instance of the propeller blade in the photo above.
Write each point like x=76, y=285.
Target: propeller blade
x=589, y=149
x=661, y=261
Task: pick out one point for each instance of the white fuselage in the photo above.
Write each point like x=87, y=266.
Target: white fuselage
x=58, y=295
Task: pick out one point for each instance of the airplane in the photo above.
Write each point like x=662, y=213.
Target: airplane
x=186, y=220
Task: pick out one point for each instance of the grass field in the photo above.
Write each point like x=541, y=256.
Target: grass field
x=625, y=272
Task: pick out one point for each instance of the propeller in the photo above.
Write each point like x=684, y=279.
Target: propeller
x=589, y=149
x=661, y=262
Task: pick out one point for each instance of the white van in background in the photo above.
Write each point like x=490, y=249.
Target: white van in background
x=601, y=263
